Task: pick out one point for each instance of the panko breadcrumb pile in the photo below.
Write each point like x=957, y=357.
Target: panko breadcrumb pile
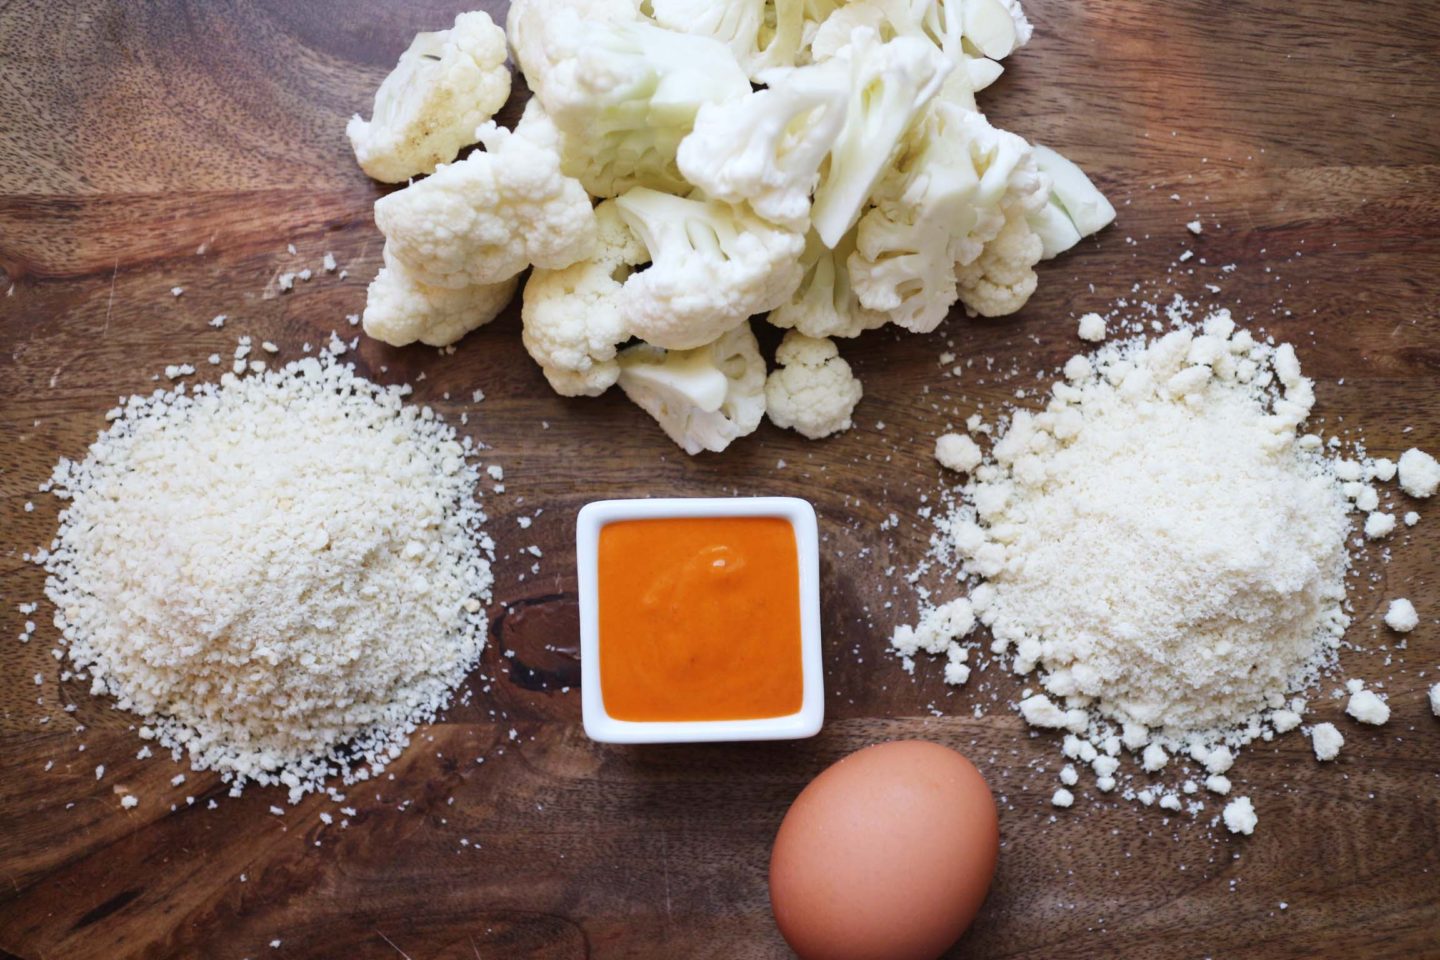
x=283, y=574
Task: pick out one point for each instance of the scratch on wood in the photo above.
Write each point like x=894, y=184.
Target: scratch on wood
x=392, y=944
x=111, y=303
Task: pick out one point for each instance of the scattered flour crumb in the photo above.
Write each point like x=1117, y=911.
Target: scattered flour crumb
x=1379, y=525
x=1401, y=616
x=1240, y=816
x=1092, y=327
x=956, y=451
x=1367, y=707
x=1063, y=798
x=1419, y=473
x=1327, y=741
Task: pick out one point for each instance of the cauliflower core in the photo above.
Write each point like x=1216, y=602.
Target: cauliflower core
x=445, y=85
x=813, y=391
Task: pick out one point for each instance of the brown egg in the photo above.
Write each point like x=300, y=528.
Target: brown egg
x=887, y=855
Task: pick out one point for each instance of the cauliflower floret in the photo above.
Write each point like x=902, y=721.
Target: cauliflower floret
x=937, y=207
x=572, y=317
x=1001, y=279
x=938, y=22
x=400, y=309
x=813, y=390
x=488, y=217
x=446, y=84
x=890, y=84
x=713, y=266
x=703, y=398
x=824, y=305
x=767, y=147
x=761, y=33
x=621, y=91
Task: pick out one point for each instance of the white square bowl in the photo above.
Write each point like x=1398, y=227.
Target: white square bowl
x=602, y=727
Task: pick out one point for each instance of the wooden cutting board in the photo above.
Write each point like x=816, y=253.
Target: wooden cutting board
x=159, y=145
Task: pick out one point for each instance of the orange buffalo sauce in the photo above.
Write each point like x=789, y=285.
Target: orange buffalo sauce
x=699, y=619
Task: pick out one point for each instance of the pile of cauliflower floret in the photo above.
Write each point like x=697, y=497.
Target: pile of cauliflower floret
x=821, y=163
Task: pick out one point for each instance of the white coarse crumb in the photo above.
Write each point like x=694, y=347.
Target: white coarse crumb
x=1092, y=327
x=1077, y=367
x=1367, y=707
x=1068, y=776
x=1220, y=760
x=1062, y=798
x=218, y=321
x=1400, y=616
x=305, y=274
x=269, y=347
x=286, y=281
x=99, y=771
x=176, y=291
x=495, y=471
x=1367, y=499
x=1170, y=802
x=956, y=451
x=128, y=801
x=1419, y=473
x=1194, y=227
x=1154, y=758
x=1240, y=816
x=329, y=262
x=1284, y=720
x=1382, y=469
x=1378, y=525
x=1411, y=518
x=1327, y=741
x=1435, y=699
x=1217, y=783
x=275, y=944
x=1040, y=711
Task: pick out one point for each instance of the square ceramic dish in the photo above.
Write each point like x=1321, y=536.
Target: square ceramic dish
x=602, y=727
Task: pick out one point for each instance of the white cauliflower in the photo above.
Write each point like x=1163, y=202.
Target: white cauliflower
x=622, y=92
x=1002, y=278
x=400, y=309
x=940, y=203
x=890, y=84
x=761, y=33
x=489, y=216
x=813, y=390
x=713, y=266
x=1075, y=209
x=446, y=84
x=703, y=398
x=767, y=147
x=825, y=305
x=572, y=317
x=940, y=22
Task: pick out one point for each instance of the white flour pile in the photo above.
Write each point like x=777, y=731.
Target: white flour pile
x=283, y=574
x=1163, y=545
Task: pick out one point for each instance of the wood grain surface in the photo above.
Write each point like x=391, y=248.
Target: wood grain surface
x=145, y=146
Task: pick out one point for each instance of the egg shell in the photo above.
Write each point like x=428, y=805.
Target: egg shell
x=886, y=855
